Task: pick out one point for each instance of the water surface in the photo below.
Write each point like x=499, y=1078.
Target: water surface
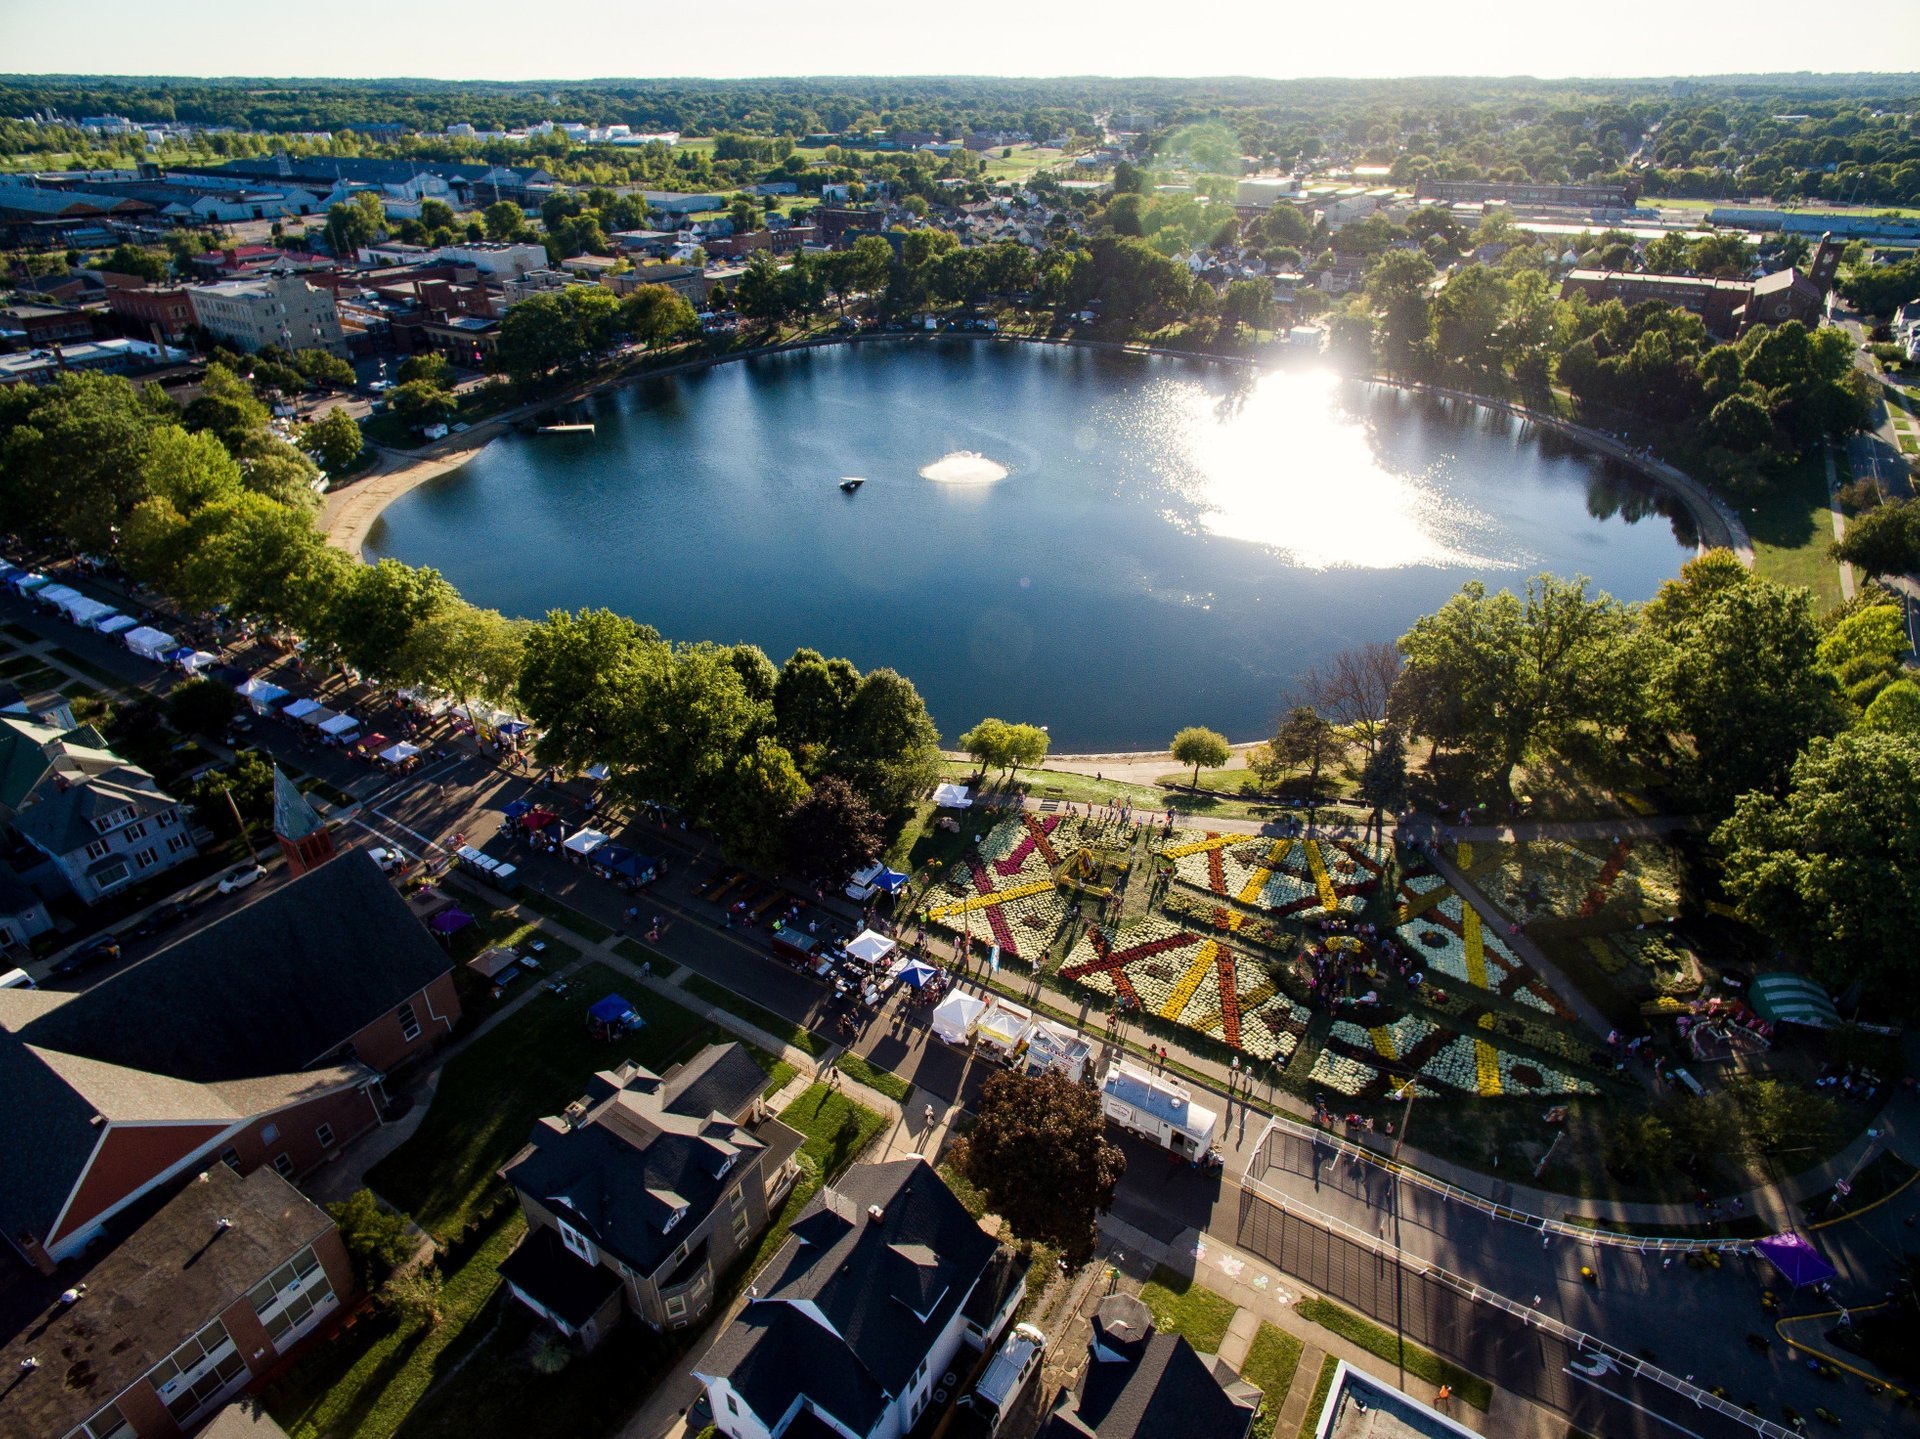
x=1172, y=542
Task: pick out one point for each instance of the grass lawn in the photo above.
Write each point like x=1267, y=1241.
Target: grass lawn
x=1791, y=527
x=1321, y=1388
x=1079, y=788
x=1023, y=162
x=863, y=1071
x=1182, y=1307
x=1375, y=1340
x=587, y=927
x=1269, y=1366
x=837, y=1130
x=633, y=949
x=534, y=1063
x=761, y=1018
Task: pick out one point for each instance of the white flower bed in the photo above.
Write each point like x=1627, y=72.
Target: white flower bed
x=1540, y=1079
x=1454, y=1066
x=1341, y=1074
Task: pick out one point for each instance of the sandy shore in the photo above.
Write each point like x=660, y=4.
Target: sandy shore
x=348, y=514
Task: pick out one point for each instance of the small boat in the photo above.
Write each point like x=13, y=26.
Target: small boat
x=565, y=430
x=850, y=483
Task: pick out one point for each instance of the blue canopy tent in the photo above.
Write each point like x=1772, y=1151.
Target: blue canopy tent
x=518, y=809
x=1799, y=1263
x=617, y=859
x=512, y=727
x=913, y=973
x=891, y=880
x=613, y=1015
x=229, y=675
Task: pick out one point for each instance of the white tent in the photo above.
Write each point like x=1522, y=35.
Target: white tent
x=83, y=611
x=340, y=726
x=584, y=841
x=56, y=595
x=260, y=694
x=954, y=1018
x=199, y=660
x=400, y=753
x=1005, y=1026
x=149, y=643
x=319, y=716
x=870, y=948
x=300, y=709
x=596, y=772
x=114, y=624
x=952, y=796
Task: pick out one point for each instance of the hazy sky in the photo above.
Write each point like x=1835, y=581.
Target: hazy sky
x=514, y=40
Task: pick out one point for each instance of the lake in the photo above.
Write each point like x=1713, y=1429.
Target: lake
x=1111, y=545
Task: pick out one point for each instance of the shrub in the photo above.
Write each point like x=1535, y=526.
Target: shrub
x=378, y=1240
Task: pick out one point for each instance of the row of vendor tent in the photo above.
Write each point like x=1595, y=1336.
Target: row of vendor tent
x=604, y=855
x=331, y=723
x=1011, y=1033
x=82, y=610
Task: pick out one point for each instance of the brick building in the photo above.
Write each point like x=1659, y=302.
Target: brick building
x=262, y=1039
x=169, y=308
x=1728, y=308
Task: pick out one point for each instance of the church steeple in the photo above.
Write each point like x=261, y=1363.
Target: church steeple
x=305, y=840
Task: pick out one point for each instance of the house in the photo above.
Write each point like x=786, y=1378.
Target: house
x=645, y=1192
x=262, y=1039
x=166, y=308
x=690, y=282
x=23, y=914
x=101, y=820
x=883, y=1278
x=182, y=1305
x=1141, y=1384
x=1358, y=1403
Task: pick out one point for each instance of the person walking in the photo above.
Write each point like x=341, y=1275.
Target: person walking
x=929, y=1116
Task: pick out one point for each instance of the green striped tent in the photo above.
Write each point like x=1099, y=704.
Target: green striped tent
x=1792, y=999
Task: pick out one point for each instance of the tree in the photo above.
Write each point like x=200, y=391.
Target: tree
x=1864, y=651
x=1039, y=1153
x=1501, y=676
x=416, y=1295
x=1383, y=776
x=1897, y=708
x=354, y=223
x=580, y=683
x=372, y=617
x=1833, y=864
x=657, y=316
x=420, y=403
x=1739, y=675
x=378, y=1240
x=228, y=408
x=557, y=329
x=334, y=440
x=1636, y=1144
x=327, y=372
x=72, y=459
x=202, y=706
x=1201, y=748
x=150, y=265
x=466, y=652
x=1397, y=286
x=1739, y=422
x=889, y=749
x=759, y=790
x=1307, y=740
x=429, y=366
x=1005, y=746
x=1354, y=688
x=810, y=702
x=1884, y=541
x=833, y=831
x=504, y=220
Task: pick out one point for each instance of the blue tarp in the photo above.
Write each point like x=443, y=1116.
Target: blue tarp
x=618, y=859
x=891, y=880
x=518, y=808
x=611, y=1010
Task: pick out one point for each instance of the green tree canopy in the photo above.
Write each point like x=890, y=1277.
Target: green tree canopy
x=1039, y=1152
x=1202, y=748
x=335, y=441
x=1883, y=541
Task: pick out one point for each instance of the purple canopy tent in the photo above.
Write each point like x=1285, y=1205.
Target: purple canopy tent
x=450, y=921
x=1799, y=1263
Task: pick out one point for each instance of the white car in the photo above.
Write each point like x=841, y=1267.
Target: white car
x=390, y=860
x=236, y=880
x=861, y=887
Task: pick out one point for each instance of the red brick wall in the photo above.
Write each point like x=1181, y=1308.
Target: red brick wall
x=146, y=1413
x=127, y=1159
x=380, y=1044
x=349, y=1112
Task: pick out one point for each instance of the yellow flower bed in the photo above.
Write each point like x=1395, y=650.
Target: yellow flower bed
x=1475, y=945
x=1190, y=981
x=1486, y=1063
x=1201, y=846
x=987, y=901
x=1382, y=1039
x=1257, y=881
x=1329, y=901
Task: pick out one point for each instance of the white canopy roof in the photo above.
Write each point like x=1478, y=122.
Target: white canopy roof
x=259, y=691
x=149, y=642
x=57, y=594
x=870, y=947
x=954, y=1017
x=301, y=708
x=952, y=796
x=113, y=624
x=83, y=611
x=340, y=724
x=319, y=716
x=585, y=841
x=399, y=753
x=1005, y=1024
x=199, y=660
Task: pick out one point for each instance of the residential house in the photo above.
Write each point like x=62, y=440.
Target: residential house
x=645, y=1192
x=1139, y=1383
x=883, y=1279
x=23, y=915
x=262, y=1040
x=102, y=820
x=273, y=309
x=183, y=1304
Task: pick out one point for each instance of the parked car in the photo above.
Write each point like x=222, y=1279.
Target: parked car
x=161, y=917
x=391, y=860
x=236, y=880
x=861, y=887
x=103, y=950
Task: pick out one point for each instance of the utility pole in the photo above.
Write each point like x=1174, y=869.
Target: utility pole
x=241, y=825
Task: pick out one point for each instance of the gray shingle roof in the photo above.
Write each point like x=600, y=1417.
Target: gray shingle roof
x=275, y=987
x=1166, y=1392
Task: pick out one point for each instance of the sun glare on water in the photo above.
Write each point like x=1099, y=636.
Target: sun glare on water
x=1283, y=467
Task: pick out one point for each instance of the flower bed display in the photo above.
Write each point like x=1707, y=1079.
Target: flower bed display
x=1300, y=878
x=1626, y=879
x=1344, y=1075
x=1450, y=938
x=1189, y=978
x=1006, y=892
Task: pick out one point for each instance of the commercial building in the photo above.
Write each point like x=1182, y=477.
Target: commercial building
x=1527, y=195
x=168, y=309
x=275, y=309
x=188, y=1302
x=1728, y=308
